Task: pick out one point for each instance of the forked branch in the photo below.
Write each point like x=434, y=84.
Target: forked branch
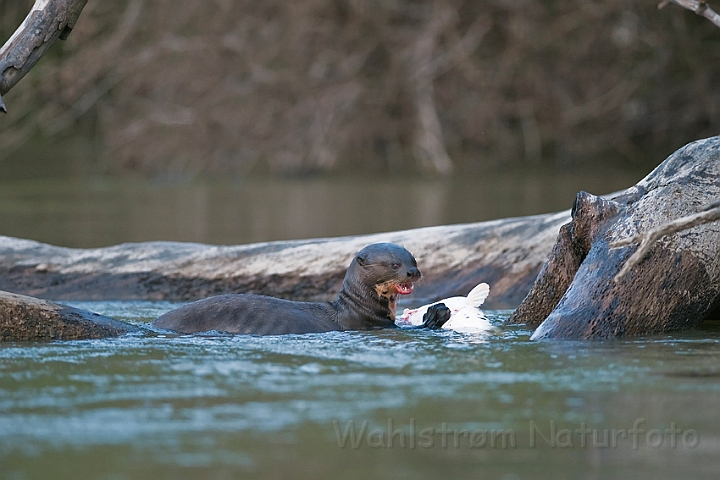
x=47, y=21
x=698, y=6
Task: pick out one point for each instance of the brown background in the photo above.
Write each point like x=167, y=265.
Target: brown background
x=199, y=87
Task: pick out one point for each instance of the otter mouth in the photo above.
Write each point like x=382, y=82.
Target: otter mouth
x=403, y=288
x=392, y=289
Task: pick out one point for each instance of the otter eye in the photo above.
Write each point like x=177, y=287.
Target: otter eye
x=395, y=266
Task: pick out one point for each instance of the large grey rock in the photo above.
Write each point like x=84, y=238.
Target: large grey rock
x=505, y=253
x=26, y=318
x=675, y=287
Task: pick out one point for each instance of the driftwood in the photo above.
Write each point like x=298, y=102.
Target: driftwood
x=574, y=296
x=674, y=288
x=26, y=318
x=700, y=7
x=505, y=253
x=47, y=21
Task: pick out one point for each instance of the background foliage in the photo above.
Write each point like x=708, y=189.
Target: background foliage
x=439, y=87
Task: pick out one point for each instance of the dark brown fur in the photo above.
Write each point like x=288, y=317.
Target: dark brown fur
x=366, y=301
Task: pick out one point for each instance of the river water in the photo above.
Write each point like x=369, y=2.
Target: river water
x=384, y=404
x=100, y=212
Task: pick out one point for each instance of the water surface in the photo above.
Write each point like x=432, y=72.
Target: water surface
x=158, y=405
x=96, y=212
x=356, y=405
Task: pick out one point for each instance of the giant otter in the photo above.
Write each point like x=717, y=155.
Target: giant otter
x=376, y=276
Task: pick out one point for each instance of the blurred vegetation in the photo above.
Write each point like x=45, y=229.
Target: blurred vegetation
x=233, y=87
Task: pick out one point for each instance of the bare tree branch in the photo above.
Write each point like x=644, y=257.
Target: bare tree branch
x=709, y=214
x=698, y=6
x=47, y=21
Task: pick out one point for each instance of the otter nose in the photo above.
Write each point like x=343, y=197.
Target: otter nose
x=413, y=272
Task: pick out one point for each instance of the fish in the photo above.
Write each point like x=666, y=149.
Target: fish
x=465, y=314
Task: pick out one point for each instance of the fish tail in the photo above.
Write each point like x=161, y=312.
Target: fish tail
x=477, y=295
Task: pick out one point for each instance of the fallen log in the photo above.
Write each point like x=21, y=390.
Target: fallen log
x=675, y=287
x=25, y=318
x=505, y=253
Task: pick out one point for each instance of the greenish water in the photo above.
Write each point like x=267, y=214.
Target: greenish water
x=424, y=405
x=88, y=212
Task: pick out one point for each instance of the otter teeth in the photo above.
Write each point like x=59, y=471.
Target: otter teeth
x=404, y=288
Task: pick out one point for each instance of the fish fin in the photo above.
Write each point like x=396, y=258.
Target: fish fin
x=477, y=295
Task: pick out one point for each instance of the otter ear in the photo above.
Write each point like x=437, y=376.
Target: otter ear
x=361, y=261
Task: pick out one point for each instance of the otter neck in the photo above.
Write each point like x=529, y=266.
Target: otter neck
x=360, y=307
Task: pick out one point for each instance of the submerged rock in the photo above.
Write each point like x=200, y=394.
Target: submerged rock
x=675, y=287
x=25, y=318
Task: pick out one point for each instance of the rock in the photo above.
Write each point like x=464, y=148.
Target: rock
x=507, y=254
x=675, y=287
x=25, y=318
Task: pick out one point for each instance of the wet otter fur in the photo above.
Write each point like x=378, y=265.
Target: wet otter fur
x=367, y=300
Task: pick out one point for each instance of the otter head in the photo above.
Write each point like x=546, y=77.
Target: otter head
x=388, y=269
